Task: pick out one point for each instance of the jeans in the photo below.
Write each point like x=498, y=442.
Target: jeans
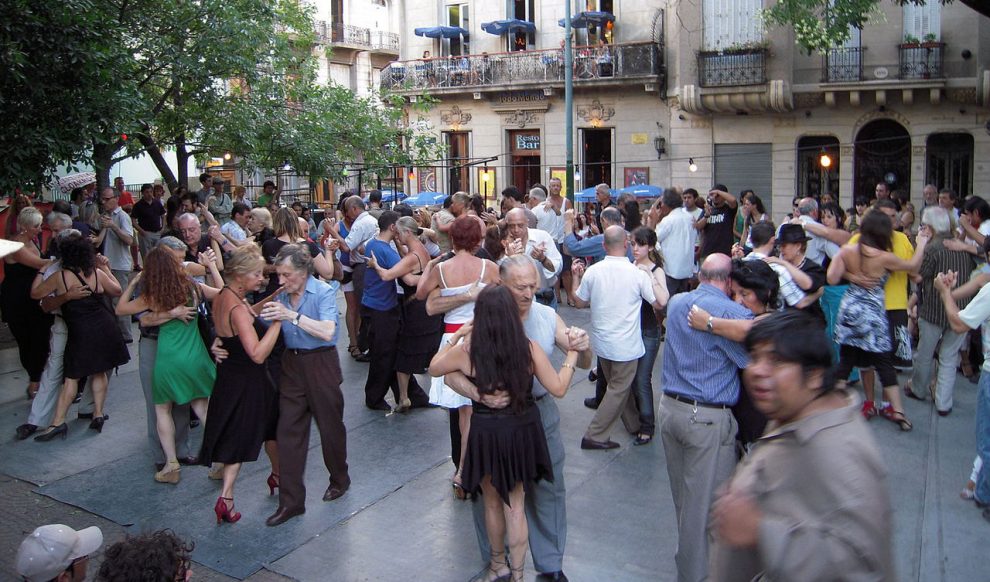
x=983, y=436
x=643, y=382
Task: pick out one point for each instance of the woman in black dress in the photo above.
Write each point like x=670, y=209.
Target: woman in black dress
x=28, y=324
x=507, y=449
x=95, y=345
x=243, y=410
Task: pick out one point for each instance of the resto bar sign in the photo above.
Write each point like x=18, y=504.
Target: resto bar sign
x=527, y=142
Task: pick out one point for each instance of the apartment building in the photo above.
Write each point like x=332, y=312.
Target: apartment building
x=697, y=93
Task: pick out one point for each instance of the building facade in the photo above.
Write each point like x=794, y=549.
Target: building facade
x=694, y=94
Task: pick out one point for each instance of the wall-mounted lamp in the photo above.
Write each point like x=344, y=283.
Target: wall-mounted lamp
x=825, y=160
x=227, y=155
x=412, y=174
x=286, y=166
x=660, y=144
x=577, y=175
x=692, y=167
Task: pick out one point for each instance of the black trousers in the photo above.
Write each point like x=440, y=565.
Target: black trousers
x=32, y=337
x=383, y=342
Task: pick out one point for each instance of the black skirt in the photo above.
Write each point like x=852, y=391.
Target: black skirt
x=510, y=448
x=419, y=337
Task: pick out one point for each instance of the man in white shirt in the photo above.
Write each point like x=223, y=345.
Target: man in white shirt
x=808, y=213
x=676, y=239
x=617, y=288
x=236, y=228
x=540, y=247
x=117, y=237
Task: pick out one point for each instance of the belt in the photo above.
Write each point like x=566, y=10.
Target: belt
x=687, y=400
x=452, y=327
x=302, y=352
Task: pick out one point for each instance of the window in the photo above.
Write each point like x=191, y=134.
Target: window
x=731, y=23
x=591, y=35
x=923, y=21
x=457, y=15
x=950, y=162
x=814, y=178
x=522, y=10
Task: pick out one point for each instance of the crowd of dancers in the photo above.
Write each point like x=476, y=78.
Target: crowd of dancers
x=763, y=328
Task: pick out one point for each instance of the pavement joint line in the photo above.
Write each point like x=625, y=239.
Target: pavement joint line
x=930, y=443
x=932, y=485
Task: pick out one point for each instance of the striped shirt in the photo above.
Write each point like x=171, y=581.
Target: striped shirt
x=939, y=259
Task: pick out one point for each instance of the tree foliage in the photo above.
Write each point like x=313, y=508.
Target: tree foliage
x=200, y=77
x=823, y=24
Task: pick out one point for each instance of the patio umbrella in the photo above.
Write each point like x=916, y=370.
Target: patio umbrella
x=441, y=32
x=76, y=180
x=588, y=194
x=586, y=19
x=500, y=27
x=643, y=191
x=426, y=199
x=390, y=196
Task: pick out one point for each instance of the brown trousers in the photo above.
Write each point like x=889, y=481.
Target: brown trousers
x=310, y=388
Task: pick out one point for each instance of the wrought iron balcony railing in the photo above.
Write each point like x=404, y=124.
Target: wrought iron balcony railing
x=732, y=68
x=619, y=61
x=386, y=41
x=347, y=34
x=921, y=60
x=843, y=64
x=327, y=33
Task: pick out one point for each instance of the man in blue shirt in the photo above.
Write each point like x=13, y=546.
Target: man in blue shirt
x=309, y=386
x=381, y=314
x=590, y=247
x=700, y=384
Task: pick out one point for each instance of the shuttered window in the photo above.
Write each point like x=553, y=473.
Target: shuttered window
x=730, y=23
x=920, y=21
x=744, y=166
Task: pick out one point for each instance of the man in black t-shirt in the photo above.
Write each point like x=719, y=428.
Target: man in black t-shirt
x=716, y=222
x=147, y=214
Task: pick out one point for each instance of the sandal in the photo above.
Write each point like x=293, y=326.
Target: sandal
x=642, y=439
x=354, y=350
x=459, y=491
x=897, y=417
x=496, y=563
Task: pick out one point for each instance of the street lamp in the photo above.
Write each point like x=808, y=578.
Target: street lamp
x=825, y=160
x=692, y=167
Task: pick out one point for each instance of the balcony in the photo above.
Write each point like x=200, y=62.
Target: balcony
x=732, y=68
x=622, y=62
x=921, y=60
x=387, y=42
x=843, y=65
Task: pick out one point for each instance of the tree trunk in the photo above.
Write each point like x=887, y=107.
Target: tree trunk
x=182, y=156
x=155, y=153
x=102, y=161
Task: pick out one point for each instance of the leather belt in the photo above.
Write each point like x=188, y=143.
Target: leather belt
x=302, y=352
x=687, y=400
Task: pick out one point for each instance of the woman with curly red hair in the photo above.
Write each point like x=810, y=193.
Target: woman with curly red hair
x=457, y=280
x=184, y=372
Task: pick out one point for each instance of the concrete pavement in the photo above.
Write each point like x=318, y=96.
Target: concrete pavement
x=399, y=520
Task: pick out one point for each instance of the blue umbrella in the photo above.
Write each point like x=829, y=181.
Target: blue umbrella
x=426, y=199
x=441, y=32
x=500, y=27
x=390, y=196
x=586, y=19
x=588, y=194
x=643, y=191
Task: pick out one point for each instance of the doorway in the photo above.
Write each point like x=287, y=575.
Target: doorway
x=883, y=154
x=950, y=162
x=458, y=174
x=525, y=147
x=814, y=178
x=597, y=147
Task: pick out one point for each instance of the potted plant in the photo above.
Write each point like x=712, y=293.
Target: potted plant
x=930, y=41
x=910, y=41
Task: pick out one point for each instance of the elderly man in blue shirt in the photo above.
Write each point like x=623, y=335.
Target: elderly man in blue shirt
x=309, y=386
x=592, y=246
x=700, y=385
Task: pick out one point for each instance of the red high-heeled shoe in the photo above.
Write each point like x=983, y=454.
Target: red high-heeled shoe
x=272, y=483
x=225, y=513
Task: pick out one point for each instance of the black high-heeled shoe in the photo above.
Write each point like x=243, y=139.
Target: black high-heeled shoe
x=52, y=432
x=97, y=423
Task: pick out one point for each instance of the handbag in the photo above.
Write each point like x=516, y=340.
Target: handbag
x=204, y=320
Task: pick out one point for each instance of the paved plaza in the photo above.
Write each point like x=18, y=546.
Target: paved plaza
x=399, y=520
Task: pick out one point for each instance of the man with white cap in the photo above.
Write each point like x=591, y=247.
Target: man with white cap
x=57, y=552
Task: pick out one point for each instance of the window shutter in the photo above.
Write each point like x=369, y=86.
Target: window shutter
x=731, y=22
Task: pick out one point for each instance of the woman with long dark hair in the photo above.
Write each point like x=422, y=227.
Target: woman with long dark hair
x=95, y=344
x=862, y=328
x=645, y=256
x=507, y=449
x=184, y=372
x=752, y=211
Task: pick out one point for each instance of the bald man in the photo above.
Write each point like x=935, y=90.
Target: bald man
x=617, y=289
x=700, y=385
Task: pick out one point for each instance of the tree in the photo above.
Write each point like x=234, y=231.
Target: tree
x=823, y=24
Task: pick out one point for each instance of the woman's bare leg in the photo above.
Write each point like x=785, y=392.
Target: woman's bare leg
x=464, y=423
x=495, y=526
x=65, y=398
x=353, y=317
x=515, y=520
x=98, y=384
x=271, y=449
x=166, y=430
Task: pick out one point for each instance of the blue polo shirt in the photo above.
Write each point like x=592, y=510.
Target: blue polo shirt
x=380, y=295
x=319, y=303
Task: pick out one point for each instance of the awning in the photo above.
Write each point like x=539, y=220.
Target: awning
x=442, y=32
x=643, y=191
x=500, y=27
x=586, y=19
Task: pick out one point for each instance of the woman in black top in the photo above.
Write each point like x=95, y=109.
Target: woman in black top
x=644, y=242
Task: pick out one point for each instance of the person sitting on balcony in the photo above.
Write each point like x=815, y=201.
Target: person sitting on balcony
x=604, y=58
x=426, y=68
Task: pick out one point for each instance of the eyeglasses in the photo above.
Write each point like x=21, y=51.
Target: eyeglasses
x=106, y=198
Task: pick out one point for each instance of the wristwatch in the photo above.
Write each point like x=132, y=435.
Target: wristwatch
x=708, y=325
x=295, y=320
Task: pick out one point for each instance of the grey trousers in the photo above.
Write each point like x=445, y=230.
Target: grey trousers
x=147, y=241
x=948, y=360
x=546, y=514
x=148, y=350
x=43, y=405
x=618, y=400
x=123, y=321
x=700, y=447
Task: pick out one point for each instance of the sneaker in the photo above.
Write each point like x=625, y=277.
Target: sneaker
x=869, y=410
x=969, y=491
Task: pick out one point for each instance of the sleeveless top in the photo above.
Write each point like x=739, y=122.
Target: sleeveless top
x=647, y=316
x=463, y=313
x=541, y=327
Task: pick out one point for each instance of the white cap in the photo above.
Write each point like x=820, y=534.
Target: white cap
x=50, y=549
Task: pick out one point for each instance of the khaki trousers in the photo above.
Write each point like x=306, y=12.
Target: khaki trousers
x=618, y=400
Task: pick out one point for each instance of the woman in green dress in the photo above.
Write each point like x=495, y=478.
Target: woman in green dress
x=184, y=372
